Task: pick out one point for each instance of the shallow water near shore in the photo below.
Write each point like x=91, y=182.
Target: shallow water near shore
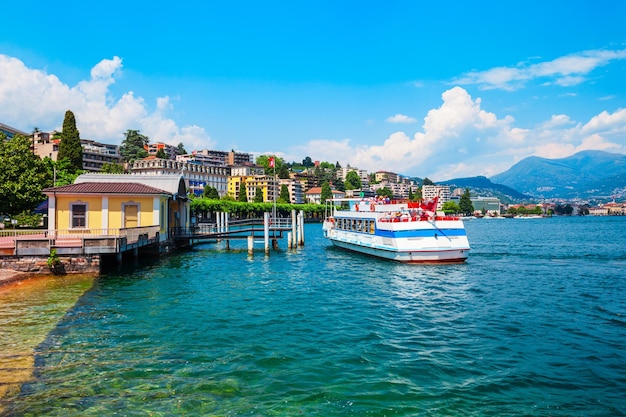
x=534, y=323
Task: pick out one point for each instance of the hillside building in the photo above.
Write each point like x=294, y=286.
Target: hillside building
x=487, y=205
x=267, y=184
x=196, y=176
x=296, y=195
x=11, y=131
x=95, y=154
x=430, y=192
x=363, y=175
x=231, y=158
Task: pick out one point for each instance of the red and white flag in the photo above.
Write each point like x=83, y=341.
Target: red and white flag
x=272, y=162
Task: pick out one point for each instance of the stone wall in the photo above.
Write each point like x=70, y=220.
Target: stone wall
x=39, y=264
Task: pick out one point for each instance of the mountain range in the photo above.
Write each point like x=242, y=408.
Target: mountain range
x=586, y=175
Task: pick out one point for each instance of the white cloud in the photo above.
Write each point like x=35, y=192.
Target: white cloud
x=31, y=97
x=564, y=71
x=400, y=118
x=461, y=139
x=603, y=122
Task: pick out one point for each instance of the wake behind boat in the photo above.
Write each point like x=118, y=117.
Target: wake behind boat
x=401, y=231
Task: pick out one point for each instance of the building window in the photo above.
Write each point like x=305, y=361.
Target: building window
x=78, y=213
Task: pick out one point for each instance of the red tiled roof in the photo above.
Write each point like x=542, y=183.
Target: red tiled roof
x=314, y=190
x=105, y=188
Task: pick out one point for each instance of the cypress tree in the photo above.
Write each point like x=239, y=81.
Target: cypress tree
x=242, y=192
x=70, y=147
x=258, y=196
x=284, y=194
x=465, y=203
x=326, y=192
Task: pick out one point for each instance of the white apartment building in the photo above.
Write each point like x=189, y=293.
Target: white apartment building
x=363, y=175
x=196, y=176
x=246, y=170
x=429, y=192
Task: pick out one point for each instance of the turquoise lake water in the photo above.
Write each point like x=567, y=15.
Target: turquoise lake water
x=534, y=323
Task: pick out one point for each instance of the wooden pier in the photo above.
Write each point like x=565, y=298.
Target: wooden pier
x=266, y=228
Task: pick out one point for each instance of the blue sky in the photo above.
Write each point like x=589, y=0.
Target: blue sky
x=437, y=89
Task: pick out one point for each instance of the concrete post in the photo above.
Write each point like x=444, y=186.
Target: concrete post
x=301, y=238
x=292, y=243
x=251, y=245
x=266, y=232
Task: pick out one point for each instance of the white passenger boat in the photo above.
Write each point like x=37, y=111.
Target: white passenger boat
x=401, y=231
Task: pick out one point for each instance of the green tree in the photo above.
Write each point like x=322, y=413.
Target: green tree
x=384, y=192
x=264, y=161
x=283, y=197
x=180, y=149
x=211, y=192
x=326, y=193
x=258, y=195
x=307, y=162
x=161, y=154
x=22, y=176
x=353, y=181
x=62, y=171
x=69, y=146
x=339, y=184
x=112, y=168
x=465, y=203
x=450, y=207
x=132, y=147
x=283, y=171
x=243, y=196
x=427, y=181
x=28, y=219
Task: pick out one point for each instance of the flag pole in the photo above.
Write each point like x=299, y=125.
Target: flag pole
x=274, y=190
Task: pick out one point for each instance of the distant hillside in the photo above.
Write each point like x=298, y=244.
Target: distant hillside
x=586, y=174
x=483, y=187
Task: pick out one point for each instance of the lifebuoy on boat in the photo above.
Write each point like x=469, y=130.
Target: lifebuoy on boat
x=373, y=207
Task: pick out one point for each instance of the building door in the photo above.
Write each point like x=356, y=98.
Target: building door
x=131, y=212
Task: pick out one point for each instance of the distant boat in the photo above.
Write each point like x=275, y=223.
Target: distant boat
x=401, y=231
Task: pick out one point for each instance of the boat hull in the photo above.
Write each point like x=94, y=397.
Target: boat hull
x=408, y=256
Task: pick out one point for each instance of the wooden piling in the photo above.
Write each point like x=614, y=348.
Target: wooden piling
x=266, y=232
x=251, y=245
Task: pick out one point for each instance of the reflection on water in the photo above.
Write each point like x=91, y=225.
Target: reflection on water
x=29, y=310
